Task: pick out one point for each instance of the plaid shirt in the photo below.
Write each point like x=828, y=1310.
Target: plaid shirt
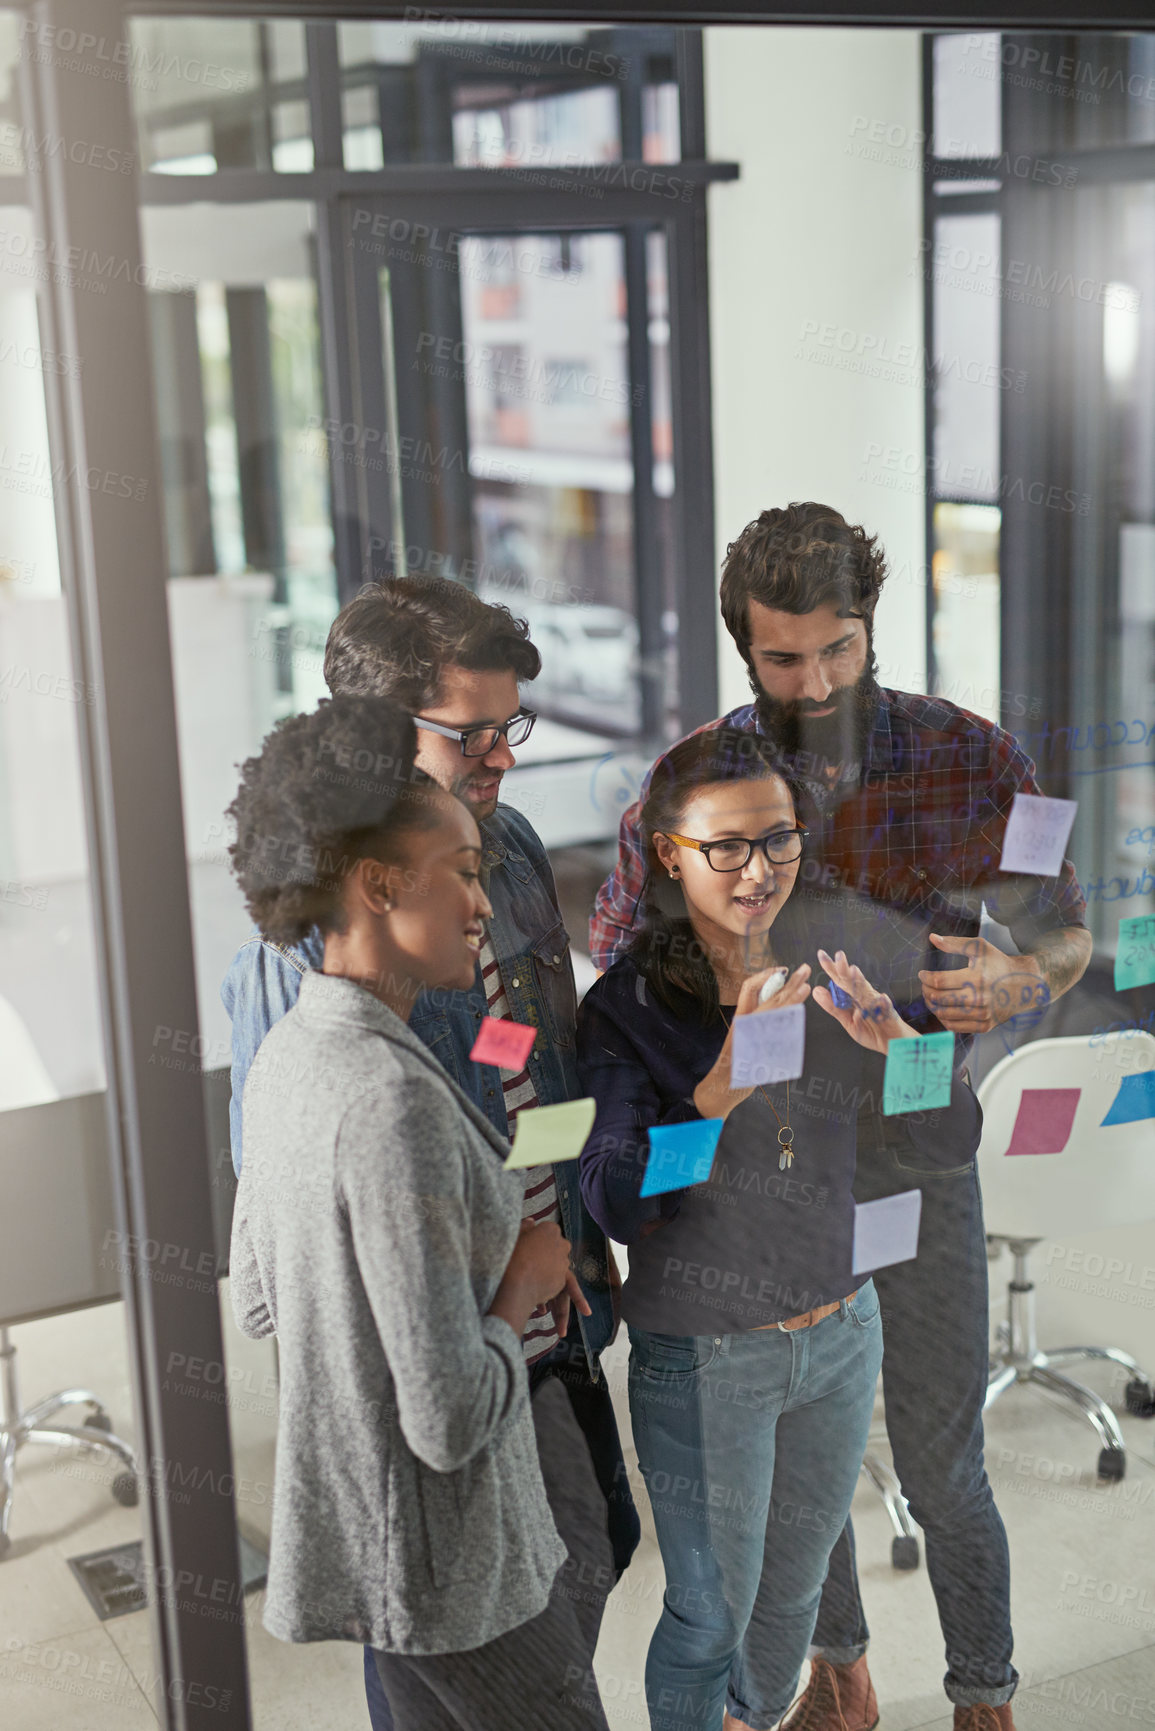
x=908, y=844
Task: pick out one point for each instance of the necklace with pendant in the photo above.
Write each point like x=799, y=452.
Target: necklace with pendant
x=785, y=1133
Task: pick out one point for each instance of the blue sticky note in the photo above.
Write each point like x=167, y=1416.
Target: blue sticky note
x=1135, y=956
x=680, y=1154
x=1135, y=1099
x=918, y=1073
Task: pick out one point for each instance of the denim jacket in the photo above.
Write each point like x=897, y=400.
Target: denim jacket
x=532, y=948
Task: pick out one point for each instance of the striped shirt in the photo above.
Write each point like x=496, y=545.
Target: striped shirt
x=540, y=1201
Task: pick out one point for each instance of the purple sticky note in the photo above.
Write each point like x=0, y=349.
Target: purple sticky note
x=1036, y=834
x=886, y=1231
x=768, y=1046
x=1043, y=1125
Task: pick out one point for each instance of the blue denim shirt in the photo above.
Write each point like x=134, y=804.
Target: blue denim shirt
x=532, y=948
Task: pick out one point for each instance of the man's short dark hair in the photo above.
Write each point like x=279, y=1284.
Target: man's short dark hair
x=395, y=637
x=796, y=558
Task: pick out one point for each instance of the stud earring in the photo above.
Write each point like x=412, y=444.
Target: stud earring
x=673, y=873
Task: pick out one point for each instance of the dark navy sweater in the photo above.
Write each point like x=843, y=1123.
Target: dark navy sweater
x=753, y=1244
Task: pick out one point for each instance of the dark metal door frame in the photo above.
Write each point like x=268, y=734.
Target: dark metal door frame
x=516, y=209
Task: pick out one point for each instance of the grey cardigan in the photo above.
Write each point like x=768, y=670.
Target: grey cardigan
x=373, y=1223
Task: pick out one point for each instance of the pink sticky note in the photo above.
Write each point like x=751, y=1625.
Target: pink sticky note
x=1043, y=1125
x=506, y=1044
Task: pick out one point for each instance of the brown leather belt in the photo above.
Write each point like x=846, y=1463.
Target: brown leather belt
x=810, y=1317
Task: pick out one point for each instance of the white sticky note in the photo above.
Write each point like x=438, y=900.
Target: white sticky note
x=768, y=1047
x=1037, y=834
x=886, y=1231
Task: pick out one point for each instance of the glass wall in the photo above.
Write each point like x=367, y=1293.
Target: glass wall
x=70, y=1520
x=502, y=96
x=1039, y=270
x=520, y=418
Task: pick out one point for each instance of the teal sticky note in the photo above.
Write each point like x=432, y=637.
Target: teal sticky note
x=1135, y=956
x=918, y=1073
x=680, y=1154
x=1135, y=1099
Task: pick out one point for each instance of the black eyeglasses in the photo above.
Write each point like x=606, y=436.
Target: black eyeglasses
x=781, y=847
x=480, y=741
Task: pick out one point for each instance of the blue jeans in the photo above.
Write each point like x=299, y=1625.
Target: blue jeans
x=935, y=1328
x=750, y=1446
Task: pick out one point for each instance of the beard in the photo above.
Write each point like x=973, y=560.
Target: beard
x=809, y=742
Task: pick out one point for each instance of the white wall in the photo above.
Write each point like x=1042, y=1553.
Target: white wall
x=815, y=297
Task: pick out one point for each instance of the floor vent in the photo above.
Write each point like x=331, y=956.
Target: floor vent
x=113, y=1579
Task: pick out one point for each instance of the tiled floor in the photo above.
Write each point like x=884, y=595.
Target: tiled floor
x=1083, y=1559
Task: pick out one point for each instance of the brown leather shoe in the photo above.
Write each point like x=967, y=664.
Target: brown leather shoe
x=984, y=1718
x=837, y=1698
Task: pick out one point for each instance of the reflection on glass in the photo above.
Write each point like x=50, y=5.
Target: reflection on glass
x=251, y=595
x=661, y=123
x=662, y=447
x=550, y=131
x=1117, y=436
x=966, y=607
x=502, y=96
x=967, y=95
x=968, y=379
x=47, y=960
x=548, y=389
x=212, y=93
x=12, y=50
x=67, y=1499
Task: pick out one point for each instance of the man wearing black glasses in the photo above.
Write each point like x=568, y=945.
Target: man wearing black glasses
x=455, y=664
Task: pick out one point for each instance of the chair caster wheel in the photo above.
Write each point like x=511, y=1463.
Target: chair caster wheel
x=1112, y=1465
x=1140, y=1398
x=126, y=1490
x=904, y=1552
x=99, y=1421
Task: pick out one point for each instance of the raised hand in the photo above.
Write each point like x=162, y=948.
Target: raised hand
x=794, y=990
x=992, y=988
x=714, y=1096
x=871, y=1019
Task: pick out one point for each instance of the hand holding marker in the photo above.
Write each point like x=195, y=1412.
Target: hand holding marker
x=773, y=985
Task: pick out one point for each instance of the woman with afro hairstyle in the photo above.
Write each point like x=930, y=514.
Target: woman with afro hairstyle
x=378, y=1236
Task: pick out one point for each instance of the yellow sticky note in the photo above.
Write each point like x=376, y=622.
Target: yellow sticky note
x=547, y=1134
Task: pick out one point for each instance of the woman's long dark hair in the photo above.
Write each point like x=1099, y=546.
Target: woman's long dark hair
x=666, y=950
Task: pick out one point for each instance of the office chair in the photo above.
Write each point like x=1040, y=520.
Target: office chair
x=904, y=1545
x=30, y=1425
x=1103, y=1176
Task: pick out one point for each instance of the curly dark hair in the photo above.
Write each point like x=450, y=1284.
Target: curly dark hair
x=797, y=558
x=394, y=638
x=666, y=950
x=326, y=790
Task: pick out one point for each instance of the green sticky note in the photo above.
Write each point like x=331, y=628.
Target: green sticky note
x=547, y=1134
x=918, y=1073
x=1135, y=956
